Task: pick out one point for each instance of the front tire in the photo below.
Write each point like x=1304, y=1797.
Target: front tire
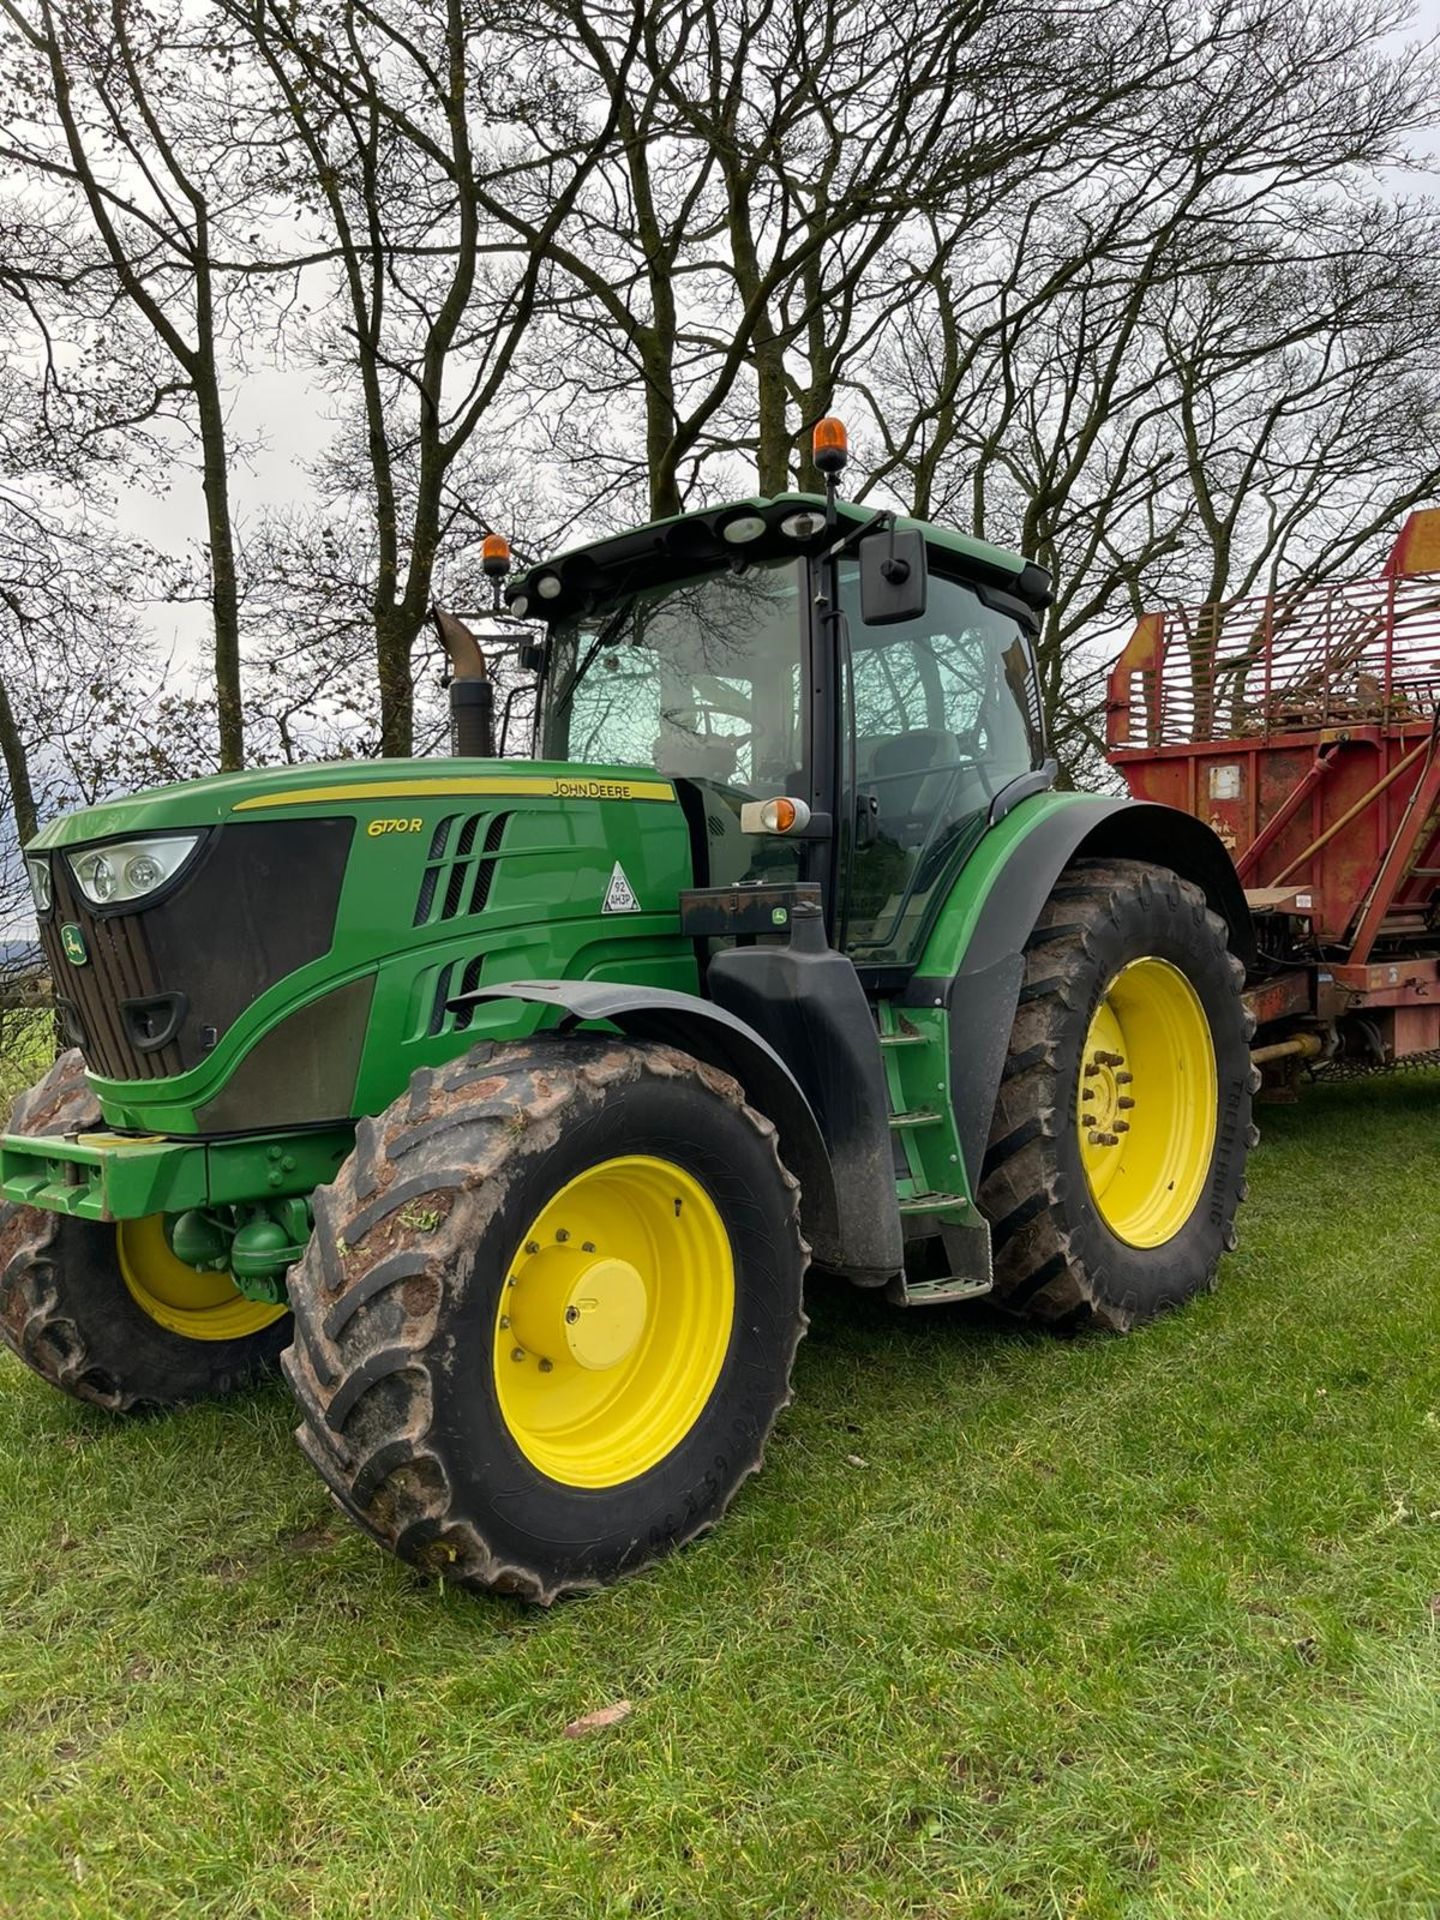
x=546, y=1320
x=1117, y=1153
x=106, y=1313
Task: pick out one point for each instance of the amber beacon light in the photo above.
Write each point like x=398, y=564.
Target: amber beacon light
x=830, y=444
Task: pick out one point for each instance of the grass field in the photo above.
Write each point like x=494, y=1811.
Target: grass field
x=1008, y=1627
x=27, y=1046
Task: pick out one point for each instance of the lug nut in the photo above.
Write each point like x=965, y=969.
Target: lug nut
x=1124, y=1103
x=504, y=1320
x=561, y=1235
x=547, y=1366
x=1123, y=1079
x=587, y=1246
x=517, y=1353
x=1105, y=1139
x=1122, y=1126
x=532, y=1246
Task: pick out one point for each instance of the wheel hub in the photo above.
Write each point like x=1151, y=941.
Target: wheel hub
x=614, y=1321
x=577, y=1303
x=1147, y=1102
x=1105, y=1100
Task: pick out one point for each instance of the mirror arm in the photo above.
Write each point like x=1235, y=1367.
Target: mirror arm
x=876, y=524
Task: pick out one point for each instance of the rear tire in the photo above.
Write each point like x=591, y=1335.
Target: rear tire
x=68, y=1311
x=546, y=1321
x=1112, y=1177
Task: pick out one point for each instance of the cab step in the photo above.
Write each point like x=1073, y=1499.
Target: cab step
x=933, y=1203
x=937, y=1293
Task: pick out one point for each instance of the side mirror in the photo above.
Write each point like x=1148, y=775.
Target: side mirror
x=892, y=577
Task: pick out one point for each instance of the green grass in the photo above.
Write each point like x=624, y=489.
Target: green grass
x=1138, y=1627
x=27, y=1046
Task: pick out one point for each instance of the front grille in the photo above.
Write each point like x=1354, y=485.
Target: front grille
x=458, y=873
x=161, y=985
x=120, y=967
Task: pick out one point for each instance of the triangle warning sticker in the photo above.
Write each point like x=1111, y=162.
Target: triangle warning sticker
x=620, y=895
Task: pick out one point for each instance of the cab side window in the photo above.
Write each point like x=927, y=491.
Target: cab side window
x=943, y=713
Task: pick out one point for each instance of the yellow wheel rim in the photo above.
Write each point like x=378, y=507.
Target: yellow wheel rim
x=182, y=1299
x=1146, y=1106
x=614, y=1322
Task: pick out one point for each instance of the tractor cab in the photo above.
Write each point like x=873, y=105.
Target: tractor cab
x=738, y=651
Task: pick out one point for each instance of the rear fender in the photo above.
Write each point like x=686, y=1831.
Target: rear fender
x=982, y=997
x=707, y=1032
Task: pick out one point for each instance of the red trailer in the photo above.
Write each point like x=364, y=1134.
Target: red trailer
x=1304, y=727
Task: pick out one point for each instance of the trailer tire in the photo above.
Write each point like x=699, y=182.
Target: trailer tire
x=67, y=1310
x=1111, y=1208
x=455, y=1398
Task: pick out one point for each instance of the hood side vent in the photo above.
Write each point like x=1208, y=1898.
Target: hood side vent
x=457, y=884
x=460, y=976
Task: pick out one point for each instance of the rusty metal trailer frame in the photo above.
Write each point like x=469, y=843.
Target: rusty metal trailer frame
x=1304, y=727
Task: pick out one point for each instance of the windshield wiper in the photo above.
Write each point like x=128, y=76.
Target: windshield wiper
x=602, y=639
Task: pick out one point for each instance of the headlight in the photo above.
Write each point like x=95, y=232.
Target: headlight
x=129, y=869
x=39, y=872
x=742, y=529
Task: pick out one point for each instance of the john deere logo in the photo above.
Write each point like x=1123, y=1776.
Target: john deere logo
x=73, y=941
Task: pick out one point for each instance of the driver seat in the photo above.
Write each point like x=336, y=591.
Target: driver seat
x=914, y=772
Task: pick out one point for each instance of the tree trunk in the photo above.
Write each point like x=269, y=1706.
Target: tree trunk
x=17, y=769
x=224, y=587
x=394, y=638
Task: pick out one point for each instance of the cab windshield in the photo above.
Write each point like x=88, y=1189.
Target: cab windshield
x=699, y=679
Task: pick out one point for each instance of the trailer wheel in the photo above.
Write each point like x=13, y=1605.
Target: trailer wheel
x=546, y=1320
x=107, y=1313
x=1116, y=1159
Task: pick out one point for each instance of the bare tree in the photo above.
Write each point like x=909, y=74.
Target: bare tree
x=733, y=255
x=1135, y=359
x=409, y=138
x=135, y=118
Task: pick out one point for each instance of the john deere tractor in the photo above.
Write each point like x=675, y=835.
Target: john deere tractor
x=504, y=1103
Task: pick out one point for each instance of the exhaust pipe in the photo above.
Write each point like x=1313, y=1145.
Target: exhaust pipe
x=472, y=692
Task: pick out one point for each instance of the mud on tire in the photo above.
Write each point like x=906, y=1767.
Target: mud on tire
x=396, y=1303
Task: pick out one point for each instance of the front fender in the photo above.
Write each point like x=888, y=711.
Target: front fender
x=709, y=1033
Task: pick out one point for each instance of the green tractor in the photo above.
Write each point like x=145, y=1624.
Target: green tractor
x=504, y=1103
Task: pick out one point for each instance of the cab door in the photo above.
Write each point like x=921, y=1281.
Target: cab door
x=941, y=714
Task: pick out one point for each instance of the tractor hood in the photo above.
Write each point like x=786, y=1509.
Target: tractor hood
x=283, y=947
x=343, y=785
